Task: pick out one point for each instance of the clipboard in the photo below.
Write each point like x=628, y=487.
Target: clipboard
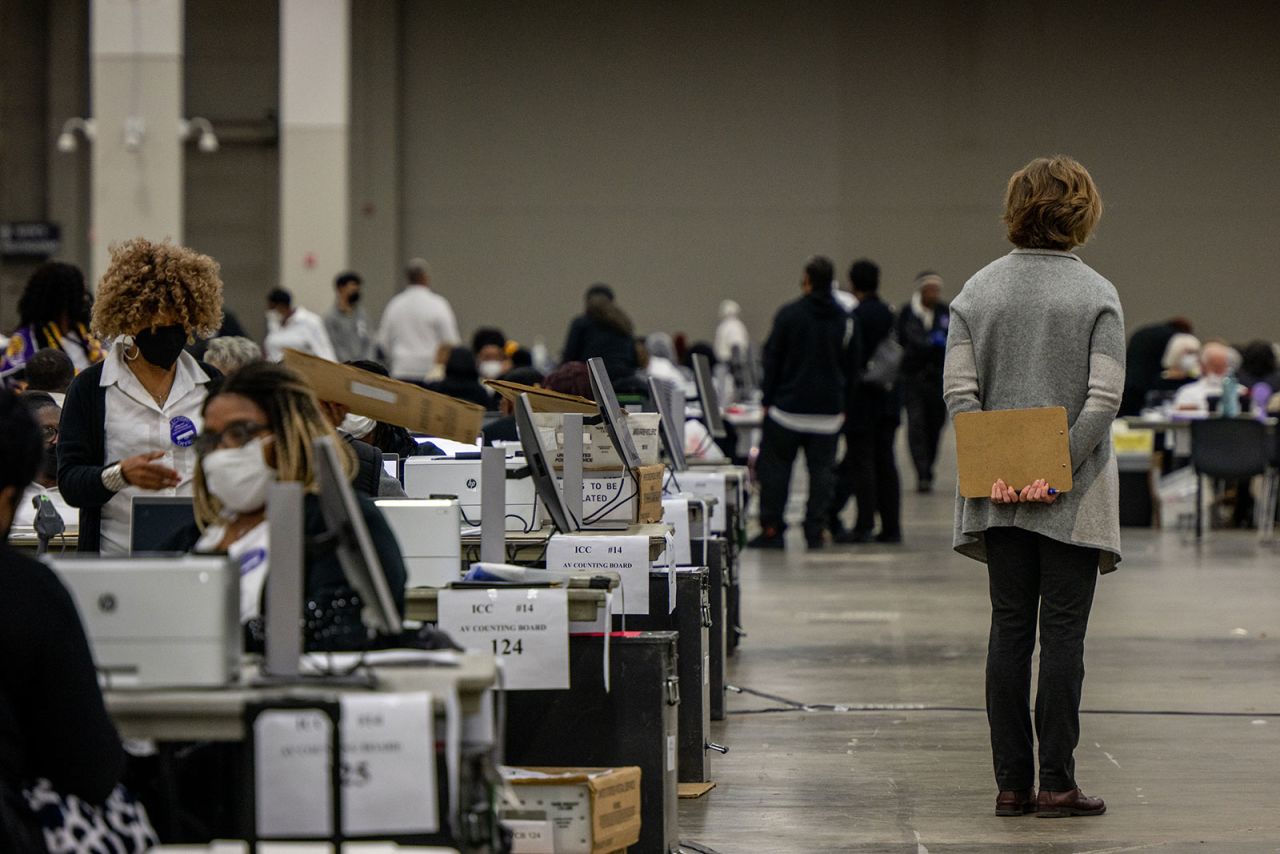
x=1017, y=446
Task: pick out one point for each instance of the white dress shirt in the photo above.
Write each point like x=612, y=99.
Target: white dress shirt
x=415, y=324
x=136, y=424
x=304, y=330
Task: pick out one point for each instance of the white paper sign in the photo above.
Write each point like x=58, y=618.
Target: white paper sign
x=675, y=512
x=291, y=768
x=388, y=764
x=528, y=629
x=627, y=556
x=710, y=484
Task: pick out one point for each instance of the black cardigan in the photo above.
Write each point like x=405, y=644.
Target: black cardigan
x=82, y=450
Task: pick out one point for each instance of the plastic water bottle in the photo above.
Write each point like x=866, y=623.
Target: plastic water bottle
x=1230, y=397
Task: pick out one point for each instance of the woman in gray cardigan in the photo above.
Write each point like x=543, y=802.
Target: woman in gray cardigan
x=1040, y=328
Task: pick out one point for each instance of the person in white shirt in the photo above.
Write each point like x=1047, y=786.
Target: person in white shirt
x=1215, y=364
x=418, y=327
x=46, y=413
x=291, y=327
x=129, y=423
x=732, y=339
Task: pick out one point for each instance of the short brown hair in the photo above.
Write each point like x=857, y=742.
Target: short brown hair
x=1051, y=203
x=146, y=278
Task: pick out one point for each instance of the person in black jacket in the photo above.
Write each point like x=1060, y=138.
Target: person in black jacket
x=260, y=427
x=868, y=470
x=809, y=358
x=129, y=422
x=922, y=331
x=603, y=330
x=462, y=380
x=53, y=724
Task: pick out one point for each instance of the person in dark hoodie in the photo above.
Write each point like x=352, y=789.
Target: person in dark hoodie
x=603, y=330
x=809, y=359
x=869, y=470
x=462, y=379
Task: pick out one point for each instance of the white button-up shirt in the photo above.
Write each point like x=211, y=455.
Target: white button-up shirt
x=414, y=325
x=136, y=424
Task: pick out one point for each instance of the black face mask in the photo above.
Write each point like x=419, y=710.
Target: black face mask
x=49, y=463
x=162, y=346
x=354, y=298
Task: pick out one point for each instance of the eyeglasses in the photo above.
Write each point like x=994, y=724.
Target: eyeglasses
x=49, y=434
x=236, y=435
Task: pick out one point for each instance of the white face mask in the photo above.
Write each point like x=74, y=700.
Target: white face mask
x=1190, y=364
x=490, y=369
x=357, y=426
x=239, y=477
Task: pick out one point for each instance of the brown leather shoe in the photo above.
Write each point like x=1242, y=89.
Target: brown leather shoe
x=1063, y=804
x=1018, y=802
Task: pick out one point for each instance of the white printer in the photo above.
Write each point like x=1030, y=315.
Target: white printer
x=158, y=622
x=428, y=477
x=429, y=532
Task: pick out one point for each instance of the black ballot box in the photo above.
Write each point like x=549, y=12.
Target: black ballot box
x=635, y=723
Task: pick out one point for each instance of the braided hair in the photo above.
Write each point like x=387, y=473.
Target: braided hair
x=295, y=419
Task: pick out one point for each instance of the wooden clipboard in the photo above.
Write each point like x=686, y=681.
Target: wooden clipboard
x=1017, y=446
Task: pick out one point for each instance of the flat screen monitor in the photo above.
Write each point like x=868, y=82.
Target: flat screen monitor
x=356, y=553
x=615, y=420
x=707, y=396
x=155, y=520
x=544, y=479
x=391, y=465
x=662, y=394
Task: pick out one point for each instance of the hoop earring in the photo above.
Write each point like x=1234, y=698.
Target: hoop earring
x=131, y=345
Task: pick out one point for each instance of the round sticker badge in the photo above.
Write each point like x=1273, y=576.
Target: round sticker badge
x=182, y=430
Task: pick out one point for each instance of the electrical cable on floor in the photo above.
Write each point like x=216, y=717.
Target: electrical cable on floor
x=790, y=705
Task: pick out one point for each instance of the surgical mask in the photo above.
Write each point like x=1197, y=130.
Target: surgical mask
x=1189, y=363
x=239, y=477
x=490, y=369
x=357, y=426
x=162, y=346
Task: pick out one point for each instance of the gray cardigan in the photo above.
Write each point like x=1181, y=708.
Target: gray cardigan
x=1040, y=328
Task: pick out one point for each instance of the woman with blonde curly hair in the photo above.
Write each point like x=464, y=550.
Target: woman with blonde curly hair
x=129, y=423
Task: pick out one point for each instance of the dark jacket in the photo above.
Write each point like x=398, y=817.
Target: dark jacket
x=368, y=467
x=923, y=350
x=589, y=338
x=52, y=720
x=810, y=356
x=1143, y=366
x=873, y=405
x=82, y=450
x=335, y=623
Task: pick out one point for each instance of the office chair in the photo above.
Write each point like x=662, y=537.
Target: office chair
x=1266, y=515
x=1226, y=449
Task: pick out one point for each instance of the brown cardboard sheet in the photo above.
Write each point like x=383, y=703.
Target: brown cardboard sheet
x=1017, y=446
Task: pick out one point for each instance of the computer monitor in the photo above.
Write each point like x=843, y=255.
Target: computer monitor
x=662, y=393
x=356, y=553
x=154, y=521
x=615, y=420
x=391, y=465
x=544, y=479
x=707, y=396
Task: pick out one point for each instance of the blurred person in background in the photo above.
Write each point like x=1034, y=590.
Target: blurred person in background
x=603, y=330
x=231, y=353
x=47, y=414
x=53, y=312
x=1143, y=361
x=732, y=342
x=504, y=429
x=418, y=327
x=346, y=323
x=922, y=332
x=1215, y=364
x=51, y=372
x=130, y=422
x=294, y=327
x=462, y=379
x=490, y=348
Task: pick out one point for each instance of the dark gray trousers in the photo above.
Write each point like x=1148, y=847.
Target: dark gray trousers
x=926, y=416
x=1031, y=574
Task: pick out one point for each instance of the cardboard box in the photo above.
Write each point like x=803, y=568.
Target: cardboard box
x=591, y=810
x=392, y=401
x=598, y=453
x=543, y=399
x=621, y=497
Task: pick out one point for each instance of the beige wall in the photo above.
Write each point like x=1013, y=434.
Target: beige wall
x=690, y=152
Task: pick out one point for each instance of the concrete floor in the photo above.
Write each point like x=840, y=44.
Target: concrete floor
x=1181, y=735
